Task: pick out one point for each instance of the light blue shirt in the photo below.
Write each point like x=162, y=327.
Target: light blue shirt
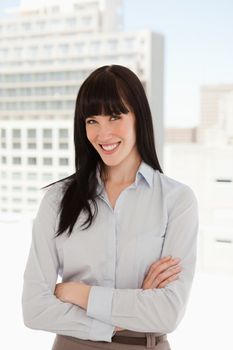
x=156, y=216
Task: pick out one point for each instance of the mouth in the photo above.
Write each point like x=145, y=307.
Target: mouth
x=109, y=148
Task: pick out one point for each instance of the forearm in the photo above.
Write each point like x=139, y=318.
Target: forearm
x=75, y=293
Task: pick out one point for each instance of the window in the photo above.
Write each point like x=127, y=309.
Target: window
x=16, y=145
x=224, y=180
x=47, y=161
x=16, y=175
x=16, y=133
x=18, y=52
x=31, y=145
x=47, y=176
x=31, y=189
x=33, y=51
x=47, y=145
x=63, y=133
x=31, y=133
x=86, y=20
x=95, y=46
x=31, y=176
x=48, y=49
x=3, y=160
x=31, y=201
x=16, y=160
x=71, y=22
x=47, y=133
x=79, y=47
x=32, y=161
x=26, y=26
x=112, y=44
x=3, y=132
x=16, y=188
x=63, y=145
x=63, y=161
x=64, y=48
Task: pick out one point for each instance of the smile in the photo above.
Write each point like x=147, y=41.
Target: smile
x=110, y=148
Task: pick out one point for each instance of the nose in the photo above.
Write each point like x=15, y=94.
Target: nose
x=105, y=132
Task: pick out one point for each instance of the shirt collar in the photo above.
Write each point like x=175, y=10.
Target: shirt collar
x=147, y=172
x=144, y=171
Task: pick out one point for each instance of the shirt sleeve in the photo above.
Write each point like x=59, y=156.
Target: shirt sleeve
x=156, y=310
x=41, y=308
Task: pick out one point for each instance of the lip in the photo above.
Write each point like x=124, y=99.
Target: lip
x=112, y=151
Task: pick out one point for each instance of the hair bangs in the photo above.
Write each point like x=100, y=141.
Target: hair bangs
x=103, y=96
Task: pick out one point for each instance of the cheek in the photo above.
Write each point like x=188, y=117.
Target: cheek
x=91, y=134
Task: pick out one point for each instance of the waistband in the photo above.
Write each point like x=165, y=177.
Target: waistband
x=150, y=340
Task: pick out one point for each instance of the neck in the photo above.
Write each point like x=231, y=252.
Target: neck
x=122, y=173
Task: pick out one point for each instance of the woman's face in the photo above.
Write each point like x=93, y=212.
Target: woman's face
x=113, y=137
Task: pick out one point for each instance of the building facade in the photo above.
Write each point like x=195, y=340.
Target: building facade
x=46, y=52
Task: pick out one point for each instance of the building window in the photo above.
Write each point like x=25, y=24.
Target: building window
x=31, y=189
x=3, y=175
x=47, y=133
x=47, y=161
x=16, y=175
x=31, y=176
x=3, y=133
x=16, y=160
x=226, y=180
x=79, y=47
x=95, y=46
x=16, y=188
x=48, y=49
x=86, y=20
x=112, y=44
x=63, y=145
x=31, y=145
x=47, y=145
x=63, y=161
x=64, y=48
x=16, y=200
x=63, y=133
x=31, y=133
x=71, y=22
x=33, y=51
x=16, y=145
x=3, y=160
x=47, y=176
x=32, y=161
x=16, y=133
x=26, y=26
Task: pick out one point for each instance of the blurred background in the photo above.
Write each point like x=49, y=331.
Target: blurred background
x=182, y=52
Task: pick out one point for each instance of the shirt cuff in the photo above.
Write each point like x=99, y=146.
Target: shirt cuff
x=99, y=304
x=101, y=331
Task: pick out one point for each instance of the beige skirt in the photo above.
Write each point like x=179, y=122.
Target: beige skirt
x=63, y=342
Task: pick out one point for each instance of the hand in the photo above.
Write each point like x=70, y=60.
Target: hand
x=161, y=273
x=117, y=329
x=64, y=291
x=73, y=292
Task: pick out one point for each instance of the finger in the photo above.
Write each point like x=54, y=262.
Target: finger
x=156, y=279
x=163, y=266
x=166, y=275
x=169, y=280
x=157, y=263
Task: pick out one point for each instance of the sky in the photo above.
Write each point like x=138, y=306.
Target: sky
x=198, y=48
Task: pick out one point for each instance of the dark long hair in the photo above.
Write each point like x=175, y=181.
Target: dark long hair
x=103, y=93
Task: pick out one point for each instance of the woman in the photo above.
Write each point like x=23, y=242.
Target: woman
x=120, y=233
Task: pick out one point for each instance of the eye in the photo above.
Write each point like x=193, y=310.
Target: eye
x=89, y=121
x=115, y=117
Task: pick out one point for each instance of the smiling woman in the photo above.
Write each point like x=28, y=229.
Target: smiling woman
x=120, y=233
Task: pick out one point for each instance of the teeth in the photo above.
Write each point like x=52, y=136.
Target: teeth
x=110, y=147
